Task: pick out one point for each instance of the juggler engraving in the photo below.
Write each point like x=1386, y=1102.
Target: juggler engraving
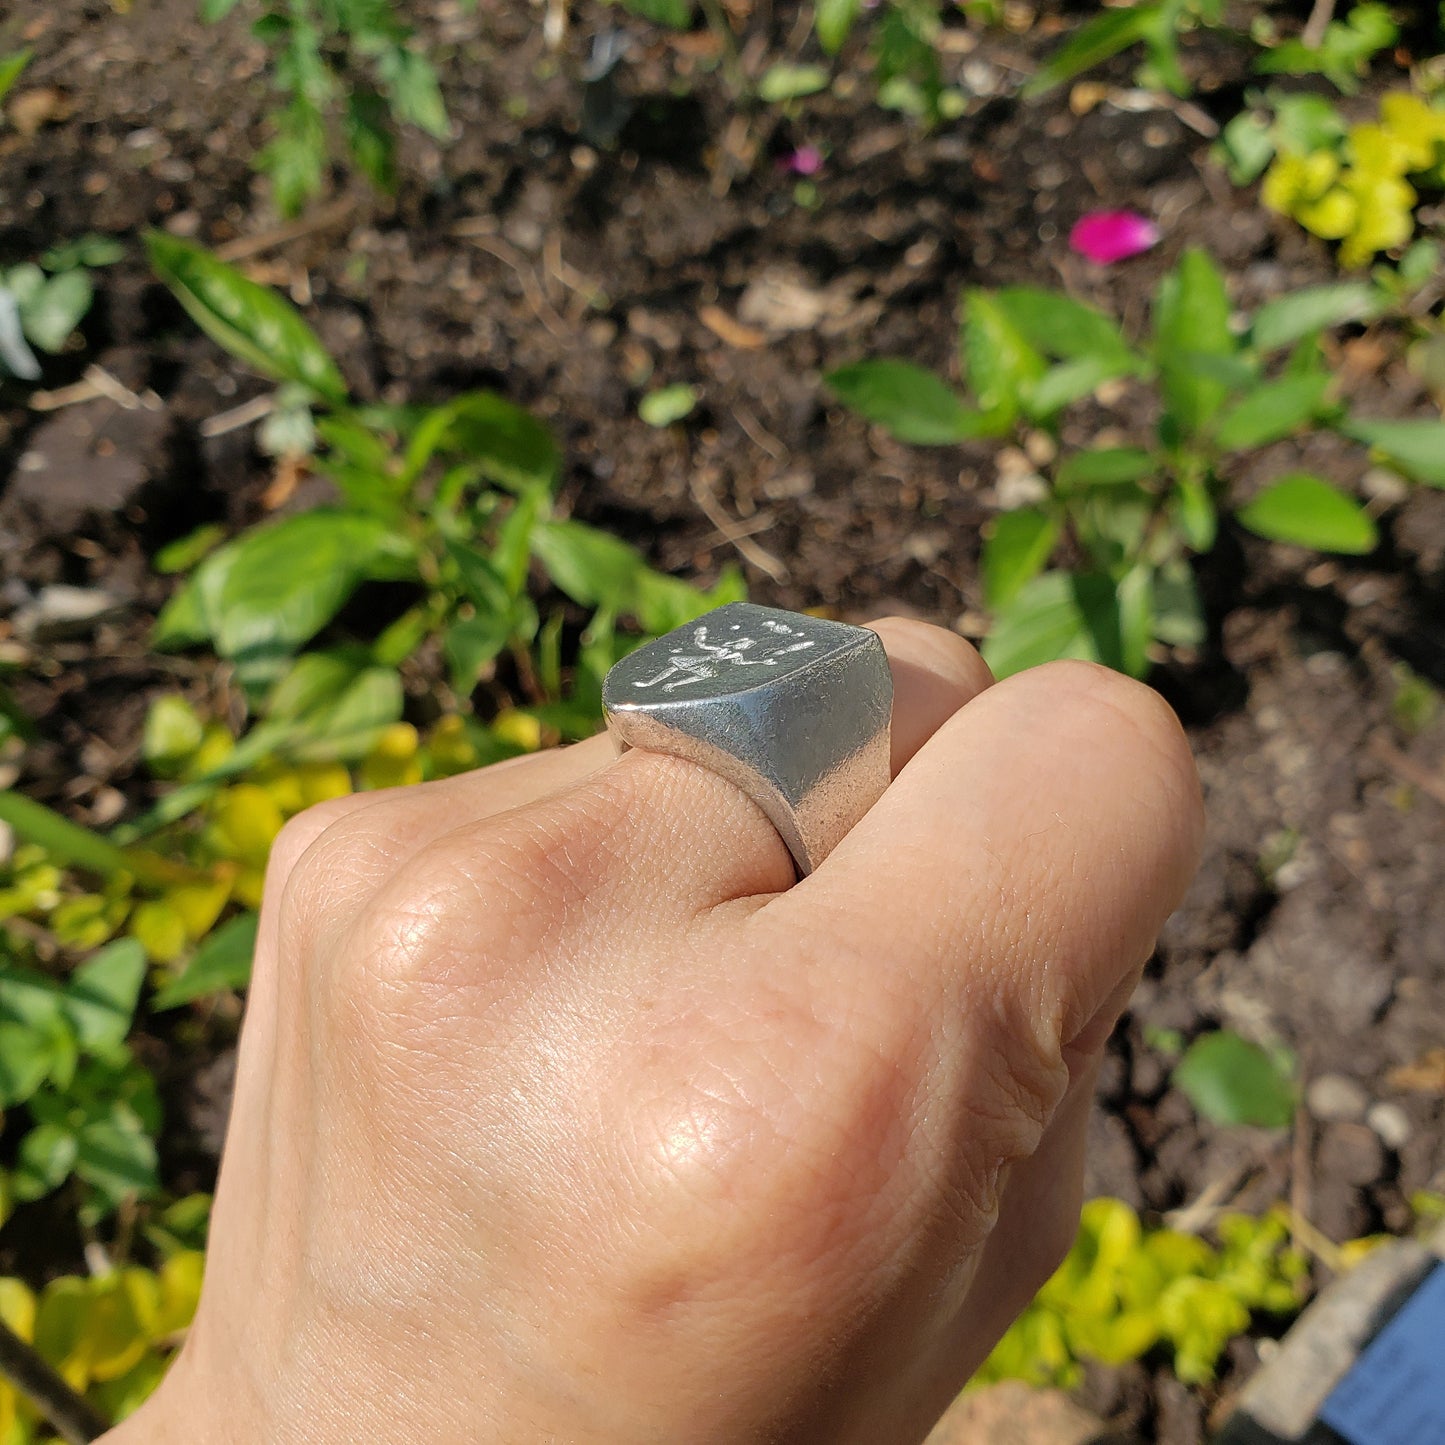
x=686, y=667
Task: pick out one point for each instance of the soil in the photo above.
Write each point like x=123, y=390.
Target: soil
x=574, y=276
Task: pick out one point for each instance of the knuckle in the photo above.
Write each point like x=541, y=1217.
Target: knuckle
x=301, y=832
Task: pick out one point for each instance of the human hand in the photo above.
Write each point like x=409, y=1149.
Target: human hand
x=563, y=1114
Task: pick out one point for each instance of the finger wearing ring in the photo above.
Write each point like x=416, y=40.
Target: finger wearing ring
x=794, y=710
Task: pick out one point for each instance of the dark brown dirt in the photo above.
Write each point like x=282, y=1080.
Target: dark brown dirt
x=575, y=278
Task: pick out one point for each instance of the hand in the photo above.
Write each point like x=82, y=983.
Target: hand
x=563, y=1114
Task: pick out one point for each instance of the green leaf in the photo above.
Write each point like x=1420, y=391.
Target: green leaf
x=251, y=322
x=1056, y=615
x=26, y=1054
x=471, y=644
x=173, y=732
x=45, y=1158
x=214, y=10
x=508, y=443
x=791, y=82
x=118, y=1159
x=222, y=962
x=1002, y=366
x=1310, y=513
x=11, y=69
x=676, y=14
x=1178, y=611
x=1191, y=317
x=1094, y=43
x=64, y=841
x=85, y=251
x=912, y=404
x=667, y=405
x=1417, y=448
x=1194, y=513
x=411, y=85
x=370, y=140
x=1135, y=594
x=295, y=158
x=16, y=357
x=51, y=315
x=1271, y=412
x=185, y=552
x=1247, y=146
x=833, y=20
x=101, y=997
x=1070, y=381
x=1106, y=467
x=1017, y=549
x=1232, y=1081
x=284, y=582
x=597, y=570
x=1288, y=319
x=1057, y=325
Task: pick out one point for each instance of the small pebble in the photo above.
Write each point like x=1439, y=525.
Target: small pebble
x=1391, y=1123
x=1334, y=1098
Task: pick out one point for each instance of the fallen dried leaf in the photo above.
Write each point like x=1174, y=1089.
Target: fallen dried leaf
x=1425, y=1076
x=745, y=338
x=31, y=109
x=289, y=474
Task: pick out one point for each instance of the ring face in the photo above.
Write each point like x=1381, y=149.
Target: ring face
x=794, y=710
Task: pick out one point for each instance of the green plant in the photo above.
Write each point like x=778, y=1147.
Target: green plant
x=1155, y=24
x=109, y=1336
x=1230, y=1080
x=1342, y=52
x=93, y=1110
x=1128, y=519
x=349, y=63
x=12, y=67
x=453, y=502
x=902, y=46
x=1359, y=184
x=1125, y=1291
x=41, y=303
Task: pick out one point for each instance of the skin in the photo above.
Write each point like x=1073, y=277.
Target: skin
x=563, y=1114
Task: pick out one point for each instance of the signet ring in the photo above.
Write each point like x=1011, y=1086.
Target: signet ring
x=794, y=710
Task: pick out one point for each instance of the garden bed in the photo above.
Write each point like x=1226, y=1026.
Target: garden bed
x=574, y=279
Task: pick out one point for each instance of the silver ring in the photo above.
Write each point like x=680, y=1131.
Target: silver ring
x=792, y=709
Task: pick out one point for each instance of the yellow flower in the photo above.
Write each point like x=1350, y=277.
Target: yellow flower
x=1333, y=216
x=1386, y=217
x=1294, y=180
x=393, y=761
x=1417, y=127
x=1378, y=152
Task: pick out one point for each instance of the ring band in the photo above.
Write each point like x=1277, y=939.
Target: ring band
x=794, y=710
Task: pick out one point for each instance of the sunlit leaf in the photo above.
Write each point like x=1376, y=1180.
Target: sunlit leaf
x=1272, y=412
x=1289, y=318
x=1191, y=318
x=1017, y=548
x=1417, y=448
x=222, y=962
x=1310, y=513
x=1230, y=1080
x=913, y=404
x=252, y=322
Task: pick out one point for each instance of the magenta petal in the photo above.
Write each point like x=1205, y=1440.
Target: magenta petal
x=1109, y=236
x=806, y=161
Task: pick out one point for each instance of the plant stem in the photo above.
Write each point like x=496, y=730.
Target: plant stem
x=717, y=22
x=71, y=1414
x=1313, y=34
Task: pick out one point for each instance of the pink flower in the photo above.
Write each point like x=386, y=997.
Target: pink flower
x=805, y=161
x=1109, y=236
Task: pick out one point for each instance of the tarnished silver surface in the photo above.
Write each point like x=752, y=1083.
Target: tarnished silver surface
x=793, y=709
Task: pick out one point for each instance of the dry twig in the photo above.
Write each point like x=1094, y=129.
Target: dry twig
x=738, y=534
